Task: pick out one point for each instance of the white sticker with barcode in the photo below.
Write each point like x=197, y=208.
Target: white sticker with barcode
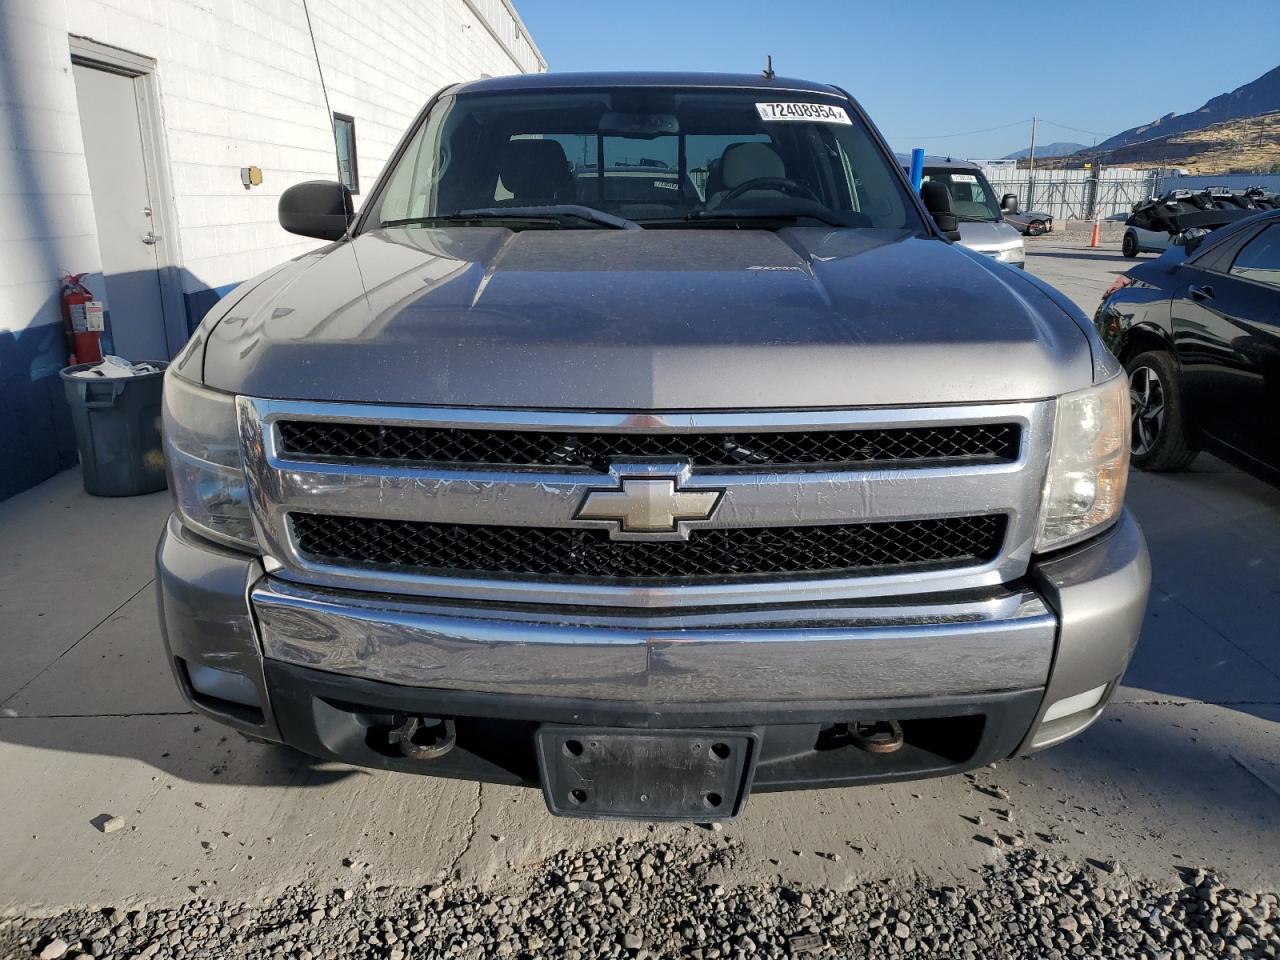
x=811, y=112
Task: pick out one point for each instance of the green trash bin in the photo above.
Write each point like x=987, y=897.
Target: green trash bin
x=117, y=422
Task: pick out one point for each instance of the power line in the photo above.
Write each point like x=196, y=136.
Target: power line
x=1005, y=126
x=1092, y=133
x=967, y=133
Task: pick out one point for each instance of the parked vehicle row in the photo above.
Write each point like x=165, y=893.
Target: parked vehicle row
x=1198, y=331
x=1179, y=215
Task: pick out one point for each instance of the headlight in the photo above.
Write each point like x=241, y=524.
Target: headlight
x=202, y=447
x=1088, y=464
x=1011, y=254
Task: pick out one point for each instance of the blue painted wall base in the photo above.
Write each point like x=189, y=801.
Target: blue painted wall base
x=201, y=302
x=36, y=436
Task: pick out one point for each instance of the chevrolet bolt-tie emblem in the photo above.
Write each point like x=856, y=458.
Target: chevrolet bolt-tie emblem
x=648, y=505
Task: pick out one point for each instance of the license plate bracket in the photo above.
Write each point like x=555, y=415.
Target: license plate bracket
x=621, y=773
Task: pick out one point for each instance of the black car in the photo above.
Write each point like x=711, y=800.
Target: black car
x=1198, y=331
x=1031, y=223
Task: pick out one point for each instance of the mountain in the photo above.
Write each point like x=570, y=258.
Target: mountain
x=1241, y=145
x=1254, y=98
x=1048, y=150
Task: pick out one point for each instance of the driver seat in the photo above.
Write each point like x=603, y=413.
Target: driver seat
x=536, y=172
x=743, y=162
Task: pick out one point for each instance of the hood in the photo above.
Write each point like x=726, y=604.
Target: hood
x=991, y=233
x=646, y=319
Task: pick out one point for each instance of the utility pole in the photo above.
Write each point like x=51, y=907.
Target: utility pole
x=1031, y=169
x=1095, y=196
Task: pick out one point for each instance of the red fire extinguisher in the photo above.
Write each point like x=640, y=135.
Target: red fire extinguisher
x=82, y=320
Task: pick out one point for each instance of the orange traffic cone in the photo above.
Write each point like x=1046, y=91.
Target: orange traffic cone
x=1093, y=241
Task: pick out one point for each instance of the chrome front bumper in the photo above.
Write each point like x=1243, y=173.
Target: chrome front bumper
x=1067, y=628
x=1002, y=642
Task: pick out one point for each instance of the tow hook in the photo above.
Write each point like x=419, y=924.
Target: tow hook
x=424, y=738
x=881, y=736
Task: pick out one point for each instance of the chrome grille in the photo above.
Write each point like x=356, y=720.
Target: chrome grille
x=571, y=555
x=977, y=442
x=405, y=500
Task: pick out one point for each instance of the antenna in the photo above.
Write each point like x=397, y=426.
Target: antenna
x=768, y=67
x=337, y=160
x=324, y=90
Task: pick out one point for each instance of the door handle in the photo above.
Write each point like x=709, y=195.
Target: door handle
x=150, y=238
x=1201, y=293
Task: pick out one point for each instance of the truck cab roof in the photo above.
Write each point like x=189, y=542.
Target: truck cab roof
x=682, y=78
x=943, y=163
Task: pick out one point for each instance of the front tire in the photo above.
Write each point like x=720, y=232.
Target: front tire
x=1129, y=246
x=1158, y=440
x=1035, y=228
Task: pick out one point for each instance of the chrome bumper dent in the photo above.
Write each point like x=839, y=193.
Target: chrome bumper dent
x=1002, y=643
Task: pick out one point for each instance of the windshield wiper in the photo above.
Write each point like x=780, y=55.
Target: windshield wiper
x=754, y=216
x=557, y=213
x=964, y=219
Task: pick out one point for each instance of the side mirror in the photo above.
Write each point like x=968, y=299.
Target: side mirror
x=937, y=200
x=1009, y=203
x=1191, y=239
x=316, y=208
x=949, y=225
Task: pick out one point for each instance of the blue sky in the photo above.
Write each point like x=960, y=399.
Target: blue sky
x=927, y=70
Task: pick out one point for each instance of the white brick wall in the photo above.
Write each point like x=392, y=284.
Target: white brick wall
x=238, y=87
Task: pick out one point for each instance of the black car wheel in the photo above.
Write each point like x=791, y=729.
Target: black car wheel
x=1129, y=246
x=1158, y=438
x=1035, y=228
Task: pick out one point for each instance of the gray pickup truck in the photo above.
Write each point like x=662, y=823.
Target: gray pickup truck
x=647, y=490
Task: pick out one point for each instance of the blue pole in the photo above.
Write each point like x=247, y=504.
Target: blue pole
x=917, y=168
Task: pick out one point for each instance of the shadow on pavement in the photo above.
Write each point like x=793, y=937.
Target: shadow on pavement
x=1211, y=627
x=1189, y=785
x=1086, y=254
x=186, y=746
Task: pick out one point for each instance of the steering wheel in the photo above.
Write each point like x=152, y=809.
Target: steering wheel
x=781, y=184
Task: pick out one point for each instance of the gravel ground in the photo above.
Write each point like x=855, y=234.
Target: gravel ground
x=647, y=900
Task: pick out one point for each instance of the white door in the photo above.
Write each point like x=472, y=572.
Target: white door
x=122, y=207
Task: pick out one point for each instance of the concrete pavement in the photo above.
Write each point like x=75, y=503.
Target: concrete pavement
x=1183, y=770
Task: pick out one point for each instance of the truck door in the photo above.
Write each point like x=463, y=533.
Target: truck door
x=1226, y=325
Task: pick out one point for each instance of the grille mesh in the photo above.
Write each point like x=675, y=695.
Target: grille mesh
x=589, y=554
x=985, y=442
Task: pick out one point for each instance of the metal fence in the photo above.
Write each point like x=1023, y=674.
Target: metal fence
x=1066, y=194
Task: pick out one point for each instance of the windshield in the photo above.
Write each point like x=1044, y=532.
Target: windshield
x=658, y=157
x=971, y=195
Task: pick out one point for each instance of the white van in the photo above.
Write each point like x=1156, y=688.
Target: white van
x=973, y=201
